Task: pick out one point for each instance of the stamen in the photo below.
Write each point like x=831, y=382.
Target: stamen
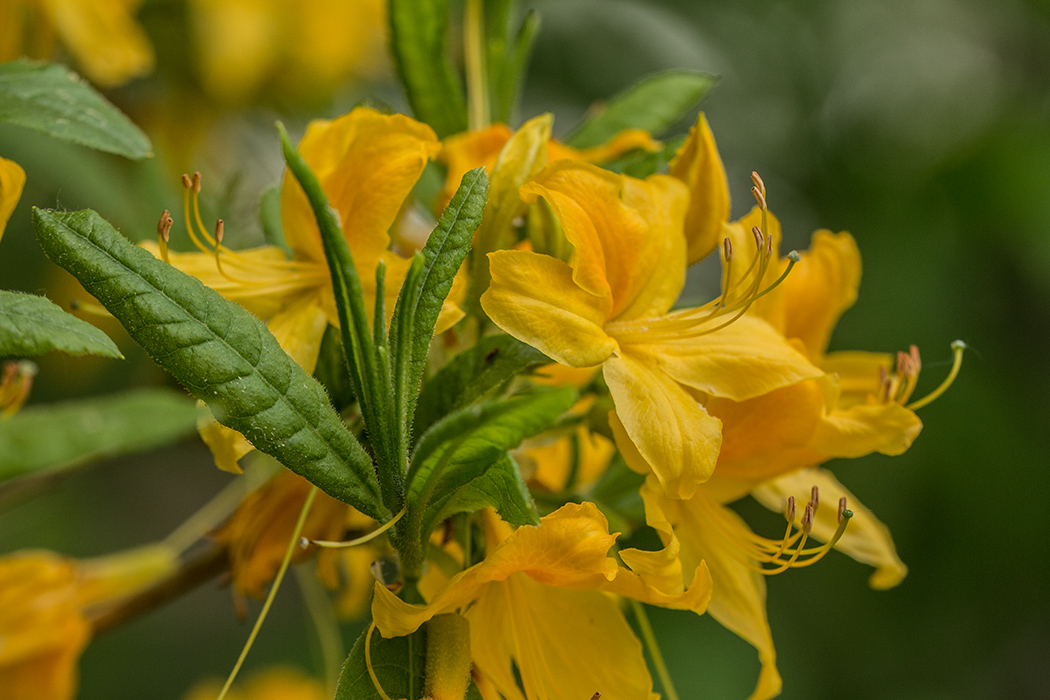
x=814, y=498
x=164, y=234
x=807, y=517
x=304, y=542
x=790, y=514
x=727, y=247
x=760, y=197
x=88, y=308
x=368, y=662
x=756, y=179
x=596, y=696
x=957, y=348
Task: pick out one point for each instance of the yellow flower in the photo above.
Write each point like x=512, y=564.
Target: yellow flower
x=771, y=442
x=367, y=163
x=538, y=602
x=109, y=45
x=610, y=305
x=47, y=603
x=698, y=165
x=244, y=46
x=271, y=684
x=12, y=180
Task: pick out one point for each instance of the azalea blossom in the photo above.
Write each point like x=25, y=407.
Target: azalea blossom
x=610, y=305
x=12, y=180
x=538, y=601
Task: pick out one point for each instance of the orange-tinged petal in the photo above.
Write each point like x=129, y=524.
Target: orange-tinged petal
x=110, y=46
x=553, y=462
x=533, y=297
x=744, y=360
x=367, y=164
x=699, y=166
x=865, y=428
x=866, y=539
x=565, y=643
x=623, y=142
x=12, y=180
x=620, y=246
x=769, y=434
x=820, y=287
x=738, y=600
x=670, y=431
x=469, y=150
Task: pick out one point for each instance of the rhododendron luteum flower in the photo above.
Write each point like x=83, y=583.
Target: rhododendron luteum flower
x=46, y=605
x=610, y=305
x=538, y=601
x=12, y=180
x=367, y=163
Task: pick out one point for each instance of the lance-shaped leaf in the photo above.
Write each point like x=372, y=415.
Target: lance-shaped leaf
x=499, y=486
x=471, y=375
x=507, y=56
x=398, y=663
x=419, y=304
x=62, y=436
x=54, y=100
x=460, y=447
x=419, y=39
x=32, y=325
x=220, y=352
x=654, y=104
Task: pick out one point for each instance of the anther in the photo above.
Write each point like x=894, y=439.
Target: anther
x=596, y=696
x=760, y=238
x=760, y=197
x=814, y=497
x=727, y=248
x=220, y=228
x=842, y=510
x=186, y=181
x=790, y=514
x=756, y=179
x=164, y=234
x=196, y=182
x=807, y=518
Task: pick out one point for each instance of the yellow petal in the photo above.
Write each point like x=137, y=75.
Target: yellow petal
x=554, y=461
x=367, y=164
x=866, y=539
x=236, y=45
x=226, y=444
x=12, y=180
x=564, y=643
x=299, y=329
x=469, y=150
x=742, y=361
x=533, y=297
x=110, y=46
x=699, y=166
x=669, y=430
x=623, y=142
x=769, y=434
x=626, y=233
x=738, y=600
x=820, y=287
x=865, y=428
x=859, y=374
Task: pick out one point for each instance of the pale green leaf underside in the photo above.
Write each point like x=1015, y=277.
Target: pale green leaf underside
x=66, y=435
x=55, y=101
x=32, y=325
x=220, y=352
x=654, y=103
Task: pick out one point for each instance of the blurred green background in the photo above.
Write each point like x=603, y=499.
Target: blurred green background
x=921, y=126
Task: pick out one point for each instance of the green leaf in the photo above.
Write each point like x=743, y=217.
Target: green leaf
x=472, y=375
x=460, y=447
x=654, y=104
x=421, y=301
x=419, y=39
x=506, y=58
x=398, y=663
x=220, y=352
x=499, y=486
x=54, y=100
x=642, y=164
x=32, y=325
x=66, y=435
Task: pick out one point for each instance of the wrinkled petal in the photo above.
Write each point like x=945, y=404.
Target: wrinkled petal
x=742, y=361
x=670, y=431
x=699, y=166
x=533, y=297
x=819, y=288
x=738, y=600
x=626, y=233
x=865, y=428
x=12, y=180
x=108, y=42
x=367, y=164
x=866, y=539
x=565, y=643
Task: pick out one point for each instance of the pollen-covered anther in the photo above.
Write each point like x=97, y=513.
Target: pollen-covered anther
x=197, y=182
x=807, y=517
x=164, y=234
x=757, y=181
x=814, y=497
x=727, y=249
x=789, y=512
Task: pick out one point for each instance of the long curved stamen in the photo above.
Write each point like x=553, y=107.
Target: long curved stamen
x=368, y=662
x=304, y=542
x=957, y=349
